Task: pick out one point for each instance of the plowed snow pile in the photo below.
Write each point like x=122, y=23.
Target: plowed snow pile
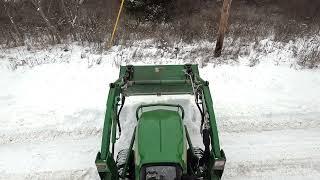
x=51, y=114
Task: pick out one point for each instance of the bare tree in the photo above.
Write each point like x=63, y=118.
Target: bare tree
x=56, y=35
x=68, y=17
x=19, y=38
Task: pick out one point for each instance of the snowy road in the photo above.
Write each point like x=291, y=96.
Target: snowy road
x=269, y=154
x=256, y=155
x=62, y=158
x=51, y=119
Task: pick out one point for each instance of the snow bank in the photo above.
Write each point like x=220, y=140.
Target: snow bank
x=297, y=53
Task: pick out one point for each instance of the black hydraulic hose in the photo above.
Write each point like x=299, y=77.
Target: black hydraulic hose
x=118, y=114
x=202, y=115
x=206, y=143
x=201, y=112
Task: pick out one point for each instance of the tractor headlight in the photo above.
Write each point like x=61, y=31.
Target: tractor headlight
x=100, y=164
x=219, y=164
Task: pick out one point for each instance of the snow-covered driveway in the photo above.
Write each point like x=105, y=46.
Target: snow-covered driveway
x=51, y=119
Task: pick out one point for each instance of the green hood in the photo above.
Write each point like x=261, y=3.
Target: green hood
x=160, y=137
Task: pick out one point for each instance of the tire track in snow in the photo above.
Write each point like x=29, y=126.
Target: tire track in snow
x=47, y=134
x=270, y=122
x=269, y=153
x=80, y=124
x=63, y=158
x=83, y=174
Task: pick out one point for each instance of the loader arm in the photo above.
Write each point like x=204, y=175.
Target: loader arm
x=159, y=80
x=104, y=161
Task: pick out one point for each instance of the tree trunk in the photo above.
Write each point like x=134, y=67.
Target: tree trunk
x=222, y=26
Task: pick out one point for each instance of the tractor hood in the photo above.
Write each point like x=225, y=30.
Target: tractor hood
x=160, y=138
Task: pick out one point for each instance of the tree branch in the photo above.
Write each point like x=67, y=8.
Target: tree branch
x=37, y=4
x=20, y=37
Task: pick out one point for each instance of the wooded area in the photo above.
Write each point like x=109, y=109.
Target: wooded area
x=57, y=21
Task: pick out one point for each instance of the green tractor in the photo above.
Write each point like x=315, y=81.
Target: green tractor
x=160, y=148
